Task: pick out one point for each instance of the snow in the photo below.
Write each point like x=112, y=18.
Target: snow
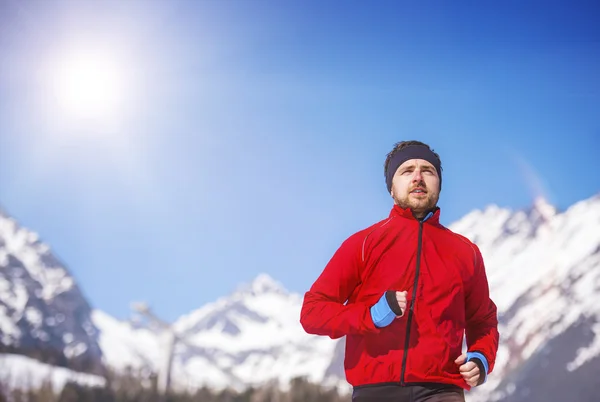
x=544, y=209
x=34, y=316
x=531, y=259
x=75, y=350
x=187, y=321
x=3, y=258
x=588, y=352
x=270, y=344
x=16, y=298
x=25, y=246
x=198, y=372
x=8, y=328
x=21, y=372
x=30, y=315
x=125, y=346
x=263, y=283
x=263, y=311
x=546, y=274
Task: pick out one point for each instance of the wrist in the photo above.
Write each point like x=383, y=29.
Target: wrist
x=481, y=361
x=382, y=313
x=390, y=297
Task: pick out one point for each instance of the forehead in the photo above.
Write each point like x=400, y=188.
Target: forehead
x=414, y=163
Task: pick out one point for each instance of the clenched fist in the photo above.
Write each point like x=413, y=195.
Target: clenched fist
x=401, y=299
x=391, y=305
x=468, y=370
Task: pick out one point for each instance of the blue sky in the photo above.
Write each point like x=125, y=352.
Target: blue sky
x=250, y=136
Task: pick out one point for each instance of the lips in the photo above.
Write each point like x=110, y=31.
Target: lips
x=418, y=191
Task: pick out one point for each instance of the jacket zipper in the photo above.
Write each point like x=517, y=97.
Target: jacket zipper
x=412, y=302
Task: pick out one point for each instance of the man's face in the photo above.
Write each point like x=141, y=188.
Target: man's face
x=416, y=185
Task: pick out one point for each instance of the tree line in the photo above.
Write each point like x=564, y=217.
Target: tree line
x=129, y=388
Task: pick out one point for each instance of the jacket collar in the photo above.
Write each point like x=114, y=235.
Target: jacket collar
x=433, y=217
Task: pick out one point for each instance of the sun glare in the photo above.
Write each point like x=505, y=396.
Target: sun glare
x=88, y=84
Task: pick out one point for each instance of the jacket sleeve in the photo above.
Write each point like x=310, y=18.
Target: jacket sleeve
x=481, y=315
x=324, y=308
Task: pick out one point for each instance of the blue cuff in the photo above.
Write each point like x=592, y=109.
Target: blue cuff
x=381, y=313
x=480, y=356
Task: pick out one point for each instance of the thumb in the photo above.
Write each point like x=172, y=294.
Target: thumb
x=461, y=359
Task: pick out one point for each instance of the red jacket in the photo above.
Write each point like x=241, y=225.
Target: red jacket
x=445, y=277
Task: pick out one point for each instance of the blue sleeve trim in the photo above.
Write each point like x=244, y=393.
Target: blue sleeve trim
x=480, y=356
x=381, y=313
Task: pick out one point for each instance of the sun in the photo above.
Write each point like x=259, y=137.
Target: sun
x=88, y=84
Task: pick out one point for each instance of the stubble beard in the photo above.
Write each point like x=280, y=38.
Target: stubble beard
x=420, y=206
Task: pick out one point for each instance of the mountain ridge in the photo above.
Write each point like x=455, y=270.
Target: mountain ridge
x=43, y=313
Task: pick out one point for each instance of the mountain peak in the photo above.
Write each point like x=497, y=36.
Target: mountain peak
x=263, y=283
x=542, y=210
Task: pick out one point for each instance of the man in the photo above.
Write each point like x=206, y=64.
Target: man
x=405, y=291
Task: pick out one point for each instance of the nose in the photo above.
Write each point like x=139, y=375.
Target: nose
x=417, y=177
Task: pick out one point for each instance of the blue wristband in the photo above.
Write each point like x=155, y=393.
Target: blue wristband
x=381, y=313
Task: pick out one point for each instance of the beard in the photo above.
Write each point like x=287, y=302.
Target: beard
x=419, y=205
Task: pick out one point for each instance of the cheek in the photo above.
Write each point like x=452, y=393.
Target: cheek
x=399, y=186
x=433, y=183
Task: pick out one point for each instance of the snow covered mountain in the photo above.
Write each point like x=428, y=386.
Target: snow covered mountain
x=544, y=271
x=43, y=314
x=248, y=338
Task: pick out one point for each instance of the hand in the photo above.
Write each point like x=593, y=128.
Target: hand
x=468, y=370
x=401, y=298
x=391, y=305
